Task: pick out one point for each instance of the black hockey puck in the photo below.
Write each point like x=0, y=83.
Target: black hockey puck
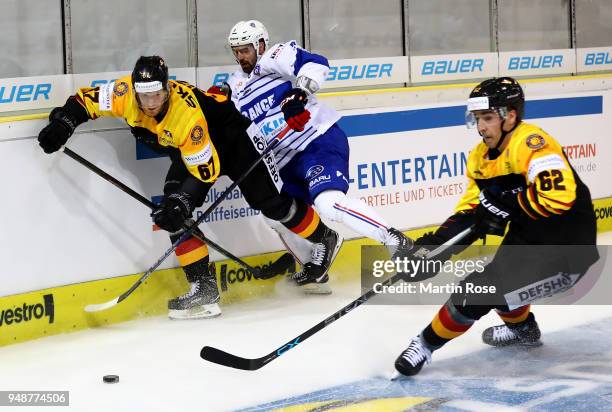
x=110, y=378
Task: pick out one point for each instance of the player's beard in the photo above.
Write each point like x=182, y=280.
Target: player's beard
x=246, y=66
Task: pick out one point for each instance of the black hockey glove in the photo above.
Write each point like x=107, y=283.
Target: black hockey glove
x=493, y=213
x=427, y=268
x=173, y=211
x=293, y=107
x=61, y=126
x=144, y=135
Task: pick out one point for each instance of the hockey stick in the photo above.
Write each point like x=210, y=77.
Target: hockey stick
x=227, y=359
x=187, y=233
x=279, y=266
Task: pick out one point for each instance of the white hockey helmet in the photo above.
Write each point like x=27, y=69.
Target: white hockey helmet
x=248, y=32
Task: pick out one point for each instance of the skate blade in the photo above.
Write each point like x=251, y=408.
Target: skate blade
x=198, y=312
x=317, y=289
x=337, y=248
x=396, y=376
x=531, y=344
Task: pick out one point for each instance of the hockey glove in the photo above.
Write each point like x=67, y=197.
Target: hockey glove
x=173, y=211
x=61, y=126
x=144, y=135
x=492, y=213
x=425, y=268
x=223, y=90
x=293, y=107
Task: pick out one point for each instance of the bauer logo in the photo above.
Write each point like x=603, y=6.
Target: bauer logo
x=28, y=311
x=597, y=59
x=360, y=71
x=24, y=92
x=452, y=66
x=535, y=62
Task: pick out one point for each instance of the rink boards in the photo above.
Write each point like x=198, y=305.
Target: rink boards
x=77, y=230
x=60, y=310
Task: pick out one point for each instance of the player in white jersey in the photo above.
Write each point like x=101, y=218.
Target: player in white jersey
x=277, y=85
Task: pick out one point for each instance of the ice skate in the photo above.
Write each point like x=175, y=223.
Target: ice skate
x=526, y=333
x=411, y=360
x=313, y=276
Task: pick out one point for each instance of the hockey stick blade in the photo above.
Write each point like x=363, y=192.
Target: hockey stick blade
x=107, y=305
x=221, y=357
x=102, y=306
x=283, y=264
x=227, y=359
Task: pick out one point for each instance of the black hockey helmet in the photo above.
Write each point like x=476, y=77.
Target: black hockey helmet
x=150, y=74
x=497, y=93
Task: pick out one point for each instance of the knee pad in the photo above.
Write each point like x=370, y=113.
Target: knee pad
x=325, y=204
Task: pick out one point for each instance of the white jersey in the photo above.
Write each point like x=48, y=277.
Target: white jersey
x=258, y=96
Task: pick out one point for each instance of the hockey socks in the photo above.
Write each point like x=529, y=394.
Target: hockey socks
x=515, y=316
x=190, y=252
x=305, y=222
x=446, y=325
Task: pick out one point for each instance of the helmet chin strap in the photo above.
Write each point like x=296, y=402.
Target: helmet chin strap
x=495, y=152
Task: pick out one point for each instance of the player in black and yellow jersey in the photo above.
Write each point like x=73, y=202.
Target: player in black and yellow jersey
x=205, y=137
x=519, y=175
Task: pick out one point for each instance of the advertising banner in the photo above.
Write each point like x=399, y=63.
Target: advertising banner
x=450, y=67
x=537, y=62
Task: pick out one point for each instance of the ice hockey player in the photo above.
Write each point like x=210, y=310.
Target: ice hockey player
x=275, y=85
x=205, y=137
x=517, y=174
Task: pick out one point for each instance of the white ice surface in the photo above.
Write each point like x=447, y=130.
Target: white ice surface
x=160, y=369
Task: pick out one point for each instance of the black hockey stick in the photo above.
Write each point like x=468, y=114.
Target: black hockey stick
x=279, y=266
x=227, y=359
x=264, y=153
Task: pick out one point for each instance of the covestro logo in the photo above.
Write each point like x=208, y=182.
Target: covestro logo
x=28, y=311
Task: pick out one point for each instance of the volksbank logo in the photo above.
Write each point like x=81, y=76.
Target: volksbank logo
x=24, y=92
x=597, y=59
x=535, y=62
x=452, y=66
x=28, y=311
